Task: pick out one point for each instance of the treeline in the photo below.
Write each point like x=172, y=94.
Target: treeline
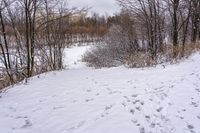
x=32, y=38
x=148, y=32
x=89, y=29
x=34, y=33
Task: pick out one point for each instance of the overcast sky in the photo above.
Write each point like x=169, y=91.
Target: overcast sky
x=99, y=6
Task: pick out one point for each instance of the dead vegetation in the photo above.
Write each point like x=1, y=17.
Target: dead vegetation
x=147, y=33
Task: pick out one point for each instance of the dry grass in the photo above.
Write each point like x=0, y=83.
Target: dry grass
x=4, y=82
x=109, y=56
x=170, y=55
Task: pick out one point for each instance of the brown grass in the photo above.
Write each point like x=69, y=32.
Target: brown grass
x=170, y=55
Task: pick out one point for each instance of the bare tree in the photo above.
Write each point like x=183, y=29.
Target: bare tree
x=4, y=44
x=195, y=19
x=150, y=14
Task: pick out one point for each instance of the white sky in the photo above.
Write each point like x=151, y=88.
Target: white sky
x=99, y=6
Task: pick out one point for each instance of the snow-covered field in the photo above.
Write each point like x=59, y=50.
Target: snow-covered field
x=114, y=100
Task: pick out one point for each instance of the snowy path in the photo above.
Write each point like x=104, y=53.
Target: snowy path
x=115, y=100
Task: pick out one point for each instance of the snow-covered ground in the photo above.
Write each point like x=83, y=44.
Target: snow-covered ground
x=72, y=56
x=114, y=100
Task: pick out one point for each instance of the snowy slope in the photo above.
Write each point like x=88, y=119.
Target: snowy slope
x=115, y=100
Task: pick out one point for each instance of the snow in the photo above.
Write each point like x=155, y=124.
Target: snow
x=73, y=56
x=109, y=100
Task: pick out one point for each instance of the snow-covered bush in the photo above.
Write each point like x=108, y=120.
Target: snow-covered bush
x=113, y=51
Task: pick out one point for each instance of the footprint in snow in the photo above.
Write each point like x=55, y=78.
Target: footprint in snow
x=108, y=107
x=195, y=84
x=59, y=107
x=124, y=105
x=95, y=82
x=89, y=100
x=189, y=126
x=88, y=90
x=105, y=85
x=138, y=124
x=198, y=90
x=164, y=118
x=165, y=95
x=159, y=109
x=41, y=100
x=132, y=111
x=127, y=99
x=21, y=117
x=150, y=99
x=172, y=86
x=108, y=89
x=134, y=121
x=136, y=101
x=152, y=125
x=194, y=104
x=159, y=88
x=105, y=112
x=184, y=110
x=141, y=102
x=180, y=117
x=27, y=124
x=147, y=117
x=12, y=109
x=115, y=92
x=138, y=108
x=130, y=82
x=191, y=73
x=74, y=101
x=134, y=95
x=80, y=124
x=142, y=130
